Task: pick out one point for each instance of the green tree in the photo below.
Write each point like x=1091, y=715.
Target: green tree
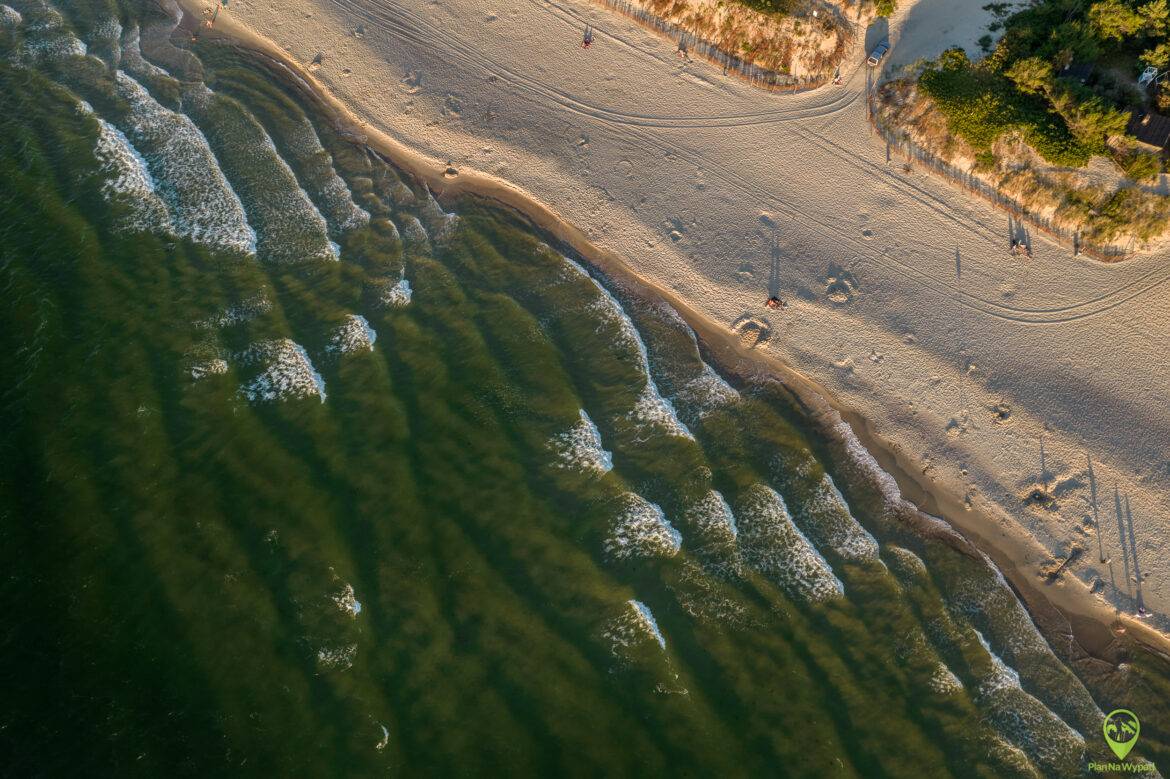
x=1156, y=15
x=1092, y=118
x=954, y=58
x=1114, y=20
x=885, y=7
x=1159, y=56
x=1031, y=75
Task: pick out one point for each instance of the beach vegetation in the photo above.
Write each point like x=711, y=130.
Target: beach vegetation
x=1057, y=90
x=981, y=106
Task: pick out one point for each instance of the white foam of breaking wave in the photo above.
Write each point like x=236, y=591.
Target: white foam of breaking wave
x=641, y=530
x=237, y=313
x=355, y=334
x=579, y=448
x=906, y=562
x=647, y=620
x=128, y=179
x=288, y=372
x=943, y=680
x=47, y=37
x=284, y=216
x=771, y=543
x=412, y=229
x=713, y=518
x=1023, y=719
x=385, y=225
x=402, y=195
x=213, y=367
x=106, y=37
x=705, y=393
x=132, y=59
x=987, y=597
x=394, y=293
x=204, y=207
x=650, y=407
x=347, y=601
x=10, y=17
x=338, y=658
x=634, y=626
x=826, y=516
x=860, y=457
x=333, y=194
x=442, y=224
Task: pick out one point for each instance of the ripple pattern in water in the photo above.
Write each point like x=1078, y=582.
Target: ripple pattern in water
x=527, y=530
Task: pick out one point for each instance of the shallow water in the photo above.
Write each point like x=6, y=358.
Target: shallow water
x=301, y=474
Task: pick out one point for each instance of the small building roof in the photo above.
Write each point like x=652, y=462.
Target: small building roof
x=1150, y=128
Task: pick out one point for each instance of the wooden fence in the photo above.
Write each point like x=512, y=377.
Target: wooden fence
x=899, y=141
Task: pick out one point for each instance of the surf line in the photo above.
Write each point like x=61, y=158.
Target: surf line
x=825, y=411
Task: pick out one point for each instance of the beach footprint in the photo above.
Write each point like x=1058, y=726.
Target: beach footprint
x=753, y=331
x=412, y=82
x=840, y=285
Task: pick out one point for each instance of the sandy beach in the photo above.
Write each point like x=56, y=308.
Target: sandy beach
x=987, y=384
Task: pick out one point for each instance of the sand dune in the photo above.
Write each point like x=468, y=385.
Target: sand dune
x=990, y=378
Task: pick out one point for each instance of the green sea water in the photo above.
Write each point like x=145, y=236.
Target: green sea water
x=305, y=474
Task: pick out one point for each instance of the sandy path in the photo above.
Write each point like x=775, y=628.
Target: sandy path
x=903, y=300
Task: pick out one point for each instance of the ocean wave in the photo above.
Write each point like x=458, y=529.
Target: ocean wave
x=826, y=517
x=204, y=208
x=238, y=313
x=393, y=293
x=129, y=181
x=984, y=597
x=337, y=658
x=714, y=523
x=288, y=226
x=205, y=368
x=353, y=335
x=640, y=529
x=770, y=543
x=867, y=464
x=105, y=40
x=905, y=564
x=579, y=448
x=703, y=394
x=651, y=408
x=943, y=680
x=47, y=36
x=633, y=627
x=1024, y=720
x=332, y=193
x=441, y=223
x=347, y=601
x=412, y=229
x=132, y=60
x=287, y=372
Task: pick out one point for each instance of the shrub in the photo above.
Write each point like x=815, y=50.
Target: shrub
x=1140, y=166
x=981, y=106
x=986, y=161
x=1114, y=20
x=1031, y=75
x=885, y=7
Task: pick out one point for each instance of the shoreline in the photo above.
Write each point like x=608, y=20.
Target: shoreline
x=1063, y=606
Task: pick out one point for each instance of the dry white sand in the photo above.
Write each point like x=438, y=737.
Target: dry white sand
x=987, y=375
